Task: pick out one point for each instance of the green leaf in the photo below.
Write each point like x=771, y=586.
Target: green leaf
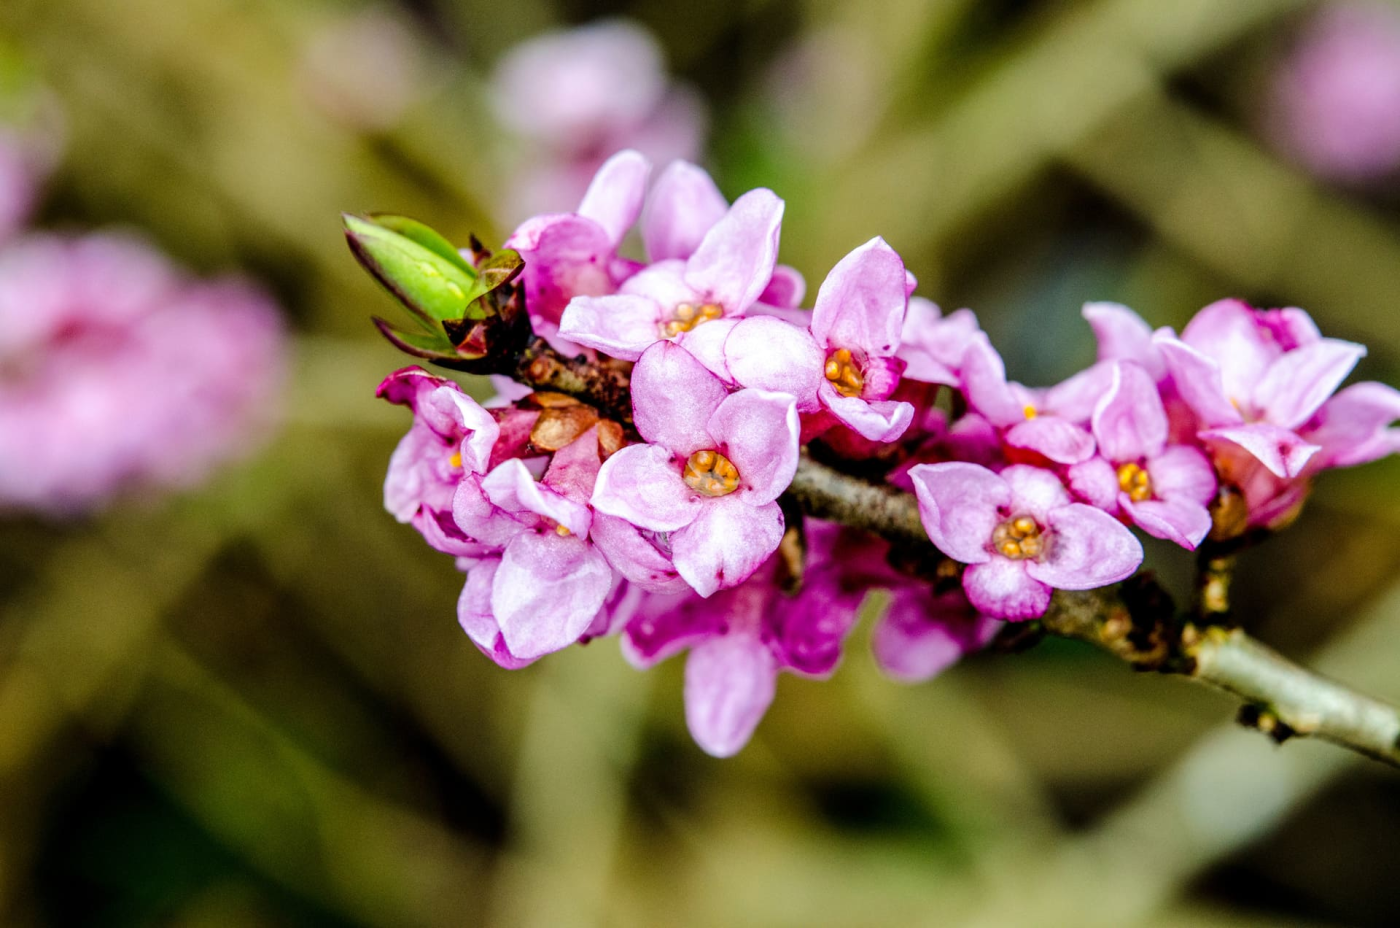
x=433, y=287
x=424, y=235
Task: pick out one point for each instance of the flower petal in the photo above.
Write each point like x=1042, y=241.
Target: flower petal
x=861, y=303
x=730, y=681
x=758, y=432
x=726, y=543
x=620, y=325
x=706, y=343
x=1182, y=472
x=1198, y=381
x=1177, y=520
x=474, y=615
x=1124, y=336
x=513, y=488
x=642, y=484
x=565, y=256
x=984, y=384
x=880, y=420
x=921, y=635
x=673, y=397
x=785, y=289
x=1280, y=450
x=1228, y=332
x=1130, y=421
x=634, y=556
x=1057, y=439
x=547, y=591
x=573, y=471
x=684, y=205
x=735, y=260
x=1298, y=383
x=1002, y=589
x=1088, y=548
x=1353, y=427
x=770, y=354
x=1095, y=482
x=614, y=198
x=958, y=504
x=1035, y=491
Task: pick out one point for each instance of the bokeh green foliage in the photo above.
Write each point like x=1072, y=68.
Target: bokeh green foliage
x=251, y=705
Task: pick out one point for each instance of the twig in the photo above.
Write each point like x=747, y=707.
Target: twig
x=1136, y=623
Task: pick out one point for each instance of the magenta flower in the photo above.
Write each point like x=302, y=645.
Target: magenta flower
x=1020, y=536
x=854, y=334
x=727, y=273
x=1046, y=422
x=452, y=436
x=1254, y=378
x=711, y=470
x=575, y=254
x=741, y=638
x=121, y=375
x=924, y=633
x=1162, y=488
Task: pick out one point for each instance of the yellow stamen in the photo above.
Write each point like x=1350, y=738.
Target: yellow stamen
x=1018, y=538
x=562, y=531
x=711, y=474
x=686, y=316
x=456, y=459
x=1029, y=411
x=844, y=373
x=1135, y=481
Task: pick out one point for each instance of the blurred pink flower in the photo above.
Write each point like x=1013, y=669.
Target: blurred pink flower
x=117, y=373
x=1336, y=96
x=575, y=96
x=365, y=70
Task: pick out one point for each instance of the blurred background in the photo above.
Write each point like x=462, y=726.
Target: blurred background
x=243, y=699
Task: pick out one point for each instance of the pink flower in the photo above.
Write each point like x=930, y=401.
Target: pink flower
x=548, y=582
x=711, y=470
x=1254, y=378
x=1020, y=536
x=575, y=254
x=1162, y=488
x=846, y=368
x=727, y=273
x=574, y=95
x=1046, y=422
x=741, y=638
x=451, y=436
x=118, y=374
x=932, y=345
x=1336, y=96
x=923, y=633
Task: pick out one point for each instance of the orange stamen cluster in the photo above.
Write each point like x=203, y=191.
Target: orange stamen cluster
x=711, y=474
x=1135, y=481
x=1018, y=538
x=844, y=373
x=687, y=316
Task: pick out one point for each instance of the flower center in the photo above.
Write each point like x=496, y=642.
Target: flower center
x=687, y=316
x=711, y=474
x=1135, y=481
x=1018, y=538
x=843, y=373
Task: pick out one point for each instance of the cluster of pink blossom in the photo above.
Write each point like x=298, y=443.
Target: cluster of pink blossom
x=671, y=532
x=1335, y=97
x=118, y=373
x=572, y=97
